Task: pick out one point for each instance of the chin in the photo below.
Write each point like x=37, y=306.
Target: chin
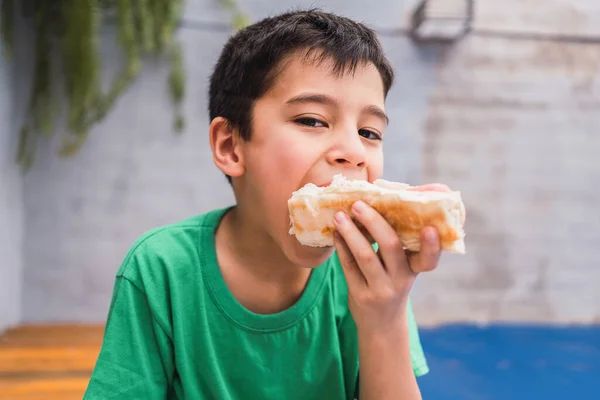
x=306, y=256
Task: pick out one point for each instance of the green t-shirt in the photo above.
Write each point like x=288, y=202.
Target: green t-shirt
x=175, y=331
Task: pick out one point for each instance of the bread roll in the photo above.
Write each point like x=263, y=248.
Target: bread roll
x=312, y=209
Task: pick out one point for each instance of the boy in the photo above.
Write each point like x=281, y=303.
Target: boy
x=228, y=305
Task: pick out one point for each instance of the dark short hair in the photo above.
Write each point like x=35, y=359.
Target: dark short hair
x=250, y=60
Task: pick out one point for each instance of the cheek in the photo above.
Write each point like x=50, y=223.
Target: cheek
x=375, y=169
x=285, y=158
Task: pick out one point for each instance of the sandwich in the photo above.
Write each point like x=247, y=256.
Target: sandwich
x=408, y=211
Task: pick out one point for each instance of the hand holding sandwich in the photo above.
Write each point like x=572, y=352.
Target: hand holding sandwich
x=411, y=225
x=378, y=287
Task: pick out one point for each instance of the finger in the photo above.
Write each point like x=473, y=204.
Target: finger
x=390, y=246
x=431, y=187
x=428, y=257
x=360, y=248
x=354, y=276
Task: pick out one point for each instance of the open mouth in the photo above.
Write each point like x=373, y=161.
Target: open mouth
x=338, y=178
x=344, y=178
x=321, y=185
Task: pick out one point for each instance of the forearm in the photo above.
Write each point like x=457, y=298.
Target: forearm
x=386, y=370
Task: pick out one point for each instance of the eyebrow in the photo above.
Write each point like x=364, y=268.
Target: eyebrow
x=329, y=101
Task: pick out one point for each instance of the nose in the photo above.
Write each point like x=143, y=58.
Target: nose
x=349, y=151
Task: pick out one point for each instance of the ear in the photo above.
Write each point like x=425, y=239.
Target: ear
x=226, y=147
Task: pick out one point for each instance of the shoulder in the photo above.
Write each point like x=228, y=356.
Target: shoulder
x=170, y=250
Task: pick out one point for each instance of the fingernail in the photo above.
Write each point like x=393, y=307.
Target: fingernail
x=359, y=207
x=340, y=218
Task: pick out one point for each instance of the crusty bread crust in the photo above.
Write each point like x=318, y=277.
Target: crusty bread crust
x=408, y=212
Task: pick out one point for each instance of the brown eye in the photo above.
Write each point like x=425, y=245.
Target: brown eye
x=312, y=122
x=369, y=134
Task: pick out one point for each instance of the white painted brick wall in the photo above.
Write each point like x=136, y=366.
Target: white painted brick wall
x=566, y=17
x=10, y=207
x=525, y=111
x=518, y=135
x=389, y=14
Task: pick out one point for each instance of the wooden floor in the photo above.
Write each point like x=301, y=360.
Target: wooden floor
x=47, y=362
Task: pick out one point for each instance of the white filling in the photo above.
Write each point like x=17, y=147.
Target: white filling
x=340, y=184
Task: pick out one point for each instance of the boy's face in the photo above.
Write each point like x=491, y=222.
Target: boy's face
x=311, y=125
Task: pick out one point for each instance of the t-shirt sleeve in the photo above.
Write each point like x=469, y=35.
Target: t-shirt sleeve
x=417, y=355
x=135, y=360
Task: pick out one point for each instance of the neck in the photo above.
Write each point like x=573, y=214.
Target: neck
x=257, y=272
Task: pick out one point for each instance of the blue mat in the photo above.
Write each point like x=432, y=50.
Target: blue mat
x=511, y=362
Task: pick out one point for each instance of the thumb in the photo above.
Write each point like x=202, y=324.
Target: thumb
x=428, y=257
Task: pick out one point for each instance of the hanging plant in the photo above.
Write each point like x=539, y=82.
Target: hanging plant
x=67, y=39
